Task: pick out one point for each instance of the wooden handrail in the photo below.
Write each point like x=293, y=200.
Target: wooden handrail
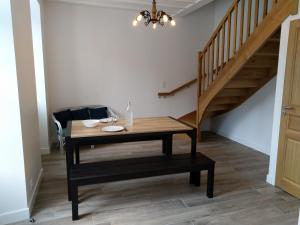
x=239, y=22
x=173, y=92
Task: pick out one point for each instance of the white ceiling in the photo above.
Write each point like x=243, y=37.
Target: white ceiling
x=173, y=7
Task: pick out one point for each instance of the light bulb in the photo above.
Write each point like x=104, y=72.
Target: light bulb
x=154, y=26
x=134, y=23
x=173, y=23
x=139, y=18
x=165, y=18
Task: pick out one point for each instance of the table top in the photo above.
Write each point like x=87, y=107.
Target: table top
x=140, y=126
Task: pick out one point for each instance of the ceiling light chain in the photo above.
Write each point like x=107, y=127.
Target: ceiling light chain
x=155, y=17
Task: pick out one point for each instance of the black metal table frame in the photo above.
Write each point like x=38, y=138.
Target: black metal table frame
x=72, y=144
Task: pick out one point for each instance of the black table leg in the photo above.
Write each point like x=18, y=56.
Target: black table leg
x=169, y=145
x=74, y=190
x=77, y=154
x=69, y=163
x=167, y=142
x=210, y=181
x=164, y=145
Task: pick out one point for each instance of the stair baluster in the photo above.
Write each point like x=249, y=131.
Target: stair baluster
x=226, y=41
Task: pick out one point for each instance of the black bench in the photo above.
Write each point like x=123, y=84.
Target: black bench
x=101, y=172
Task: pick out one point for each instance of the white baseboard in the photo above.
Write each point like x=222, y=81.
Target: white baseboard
x=271, y=179
x=22, y=214
x=243, y=142
x=45, y=150
x=14, y=216
x=35, y=190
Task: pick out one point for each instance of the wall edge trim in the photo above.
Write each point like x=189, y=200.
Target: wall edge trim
x=35, y=191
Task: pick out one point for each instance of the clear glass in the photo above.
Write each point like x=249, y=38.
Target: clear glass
x=129, y=115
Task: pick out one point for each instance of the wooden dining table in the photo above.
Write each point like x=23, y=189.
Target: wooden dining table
x=143, y=129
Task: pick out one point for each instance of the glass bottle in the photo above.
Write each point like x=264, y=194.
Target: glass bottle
x=129, y=115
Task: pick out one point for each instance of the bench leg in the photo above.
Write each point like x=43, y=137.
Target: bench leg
x=210, y=182
x=195, y=178
x=77, y=154
x=74, y=190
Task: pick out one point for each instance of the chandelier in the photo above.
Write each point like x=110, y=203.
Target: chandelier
x=155, y=17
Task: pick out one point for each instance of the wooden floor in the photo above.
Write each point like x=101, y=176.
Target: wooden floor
x=242, y=195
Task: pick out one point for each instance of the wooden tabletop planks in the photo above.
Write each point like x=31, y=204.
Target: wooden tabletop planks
x=140, y=125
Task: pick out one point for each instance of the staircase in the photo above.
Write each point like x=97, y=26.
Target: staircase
x=240, y=57
x=256, y=72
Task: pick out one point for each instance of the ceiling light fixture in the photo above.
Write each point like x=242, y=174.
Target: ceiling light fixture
x=155, y=17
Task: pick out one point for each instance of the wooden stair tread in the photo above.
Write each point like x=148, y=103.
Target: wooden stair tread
x=209, y=114
x=216, y=108
x=260, y=61
x=190, y=119
x=225, y=100
x=242, y=83
x=269, y=49
x=252, y=73
x=233, y=92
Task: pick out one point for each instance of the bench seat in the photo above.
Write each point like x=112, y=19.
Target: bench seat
x=108, y=171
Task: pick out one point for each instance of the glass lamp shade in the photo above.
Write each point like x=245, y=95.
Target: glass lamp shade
x=165, y=18
x=139, y=18
x=135, y=23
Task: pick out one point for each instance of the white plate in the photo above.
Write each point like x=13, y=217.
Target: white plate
x=90, y=123
x=108, y=120
x=112, y=128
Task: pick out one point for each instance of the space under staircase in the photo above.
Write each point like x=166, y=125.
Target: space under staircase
x=240, y=57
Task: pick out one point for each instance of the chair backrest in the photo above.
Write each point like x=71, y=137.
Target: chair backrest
x=80, y=113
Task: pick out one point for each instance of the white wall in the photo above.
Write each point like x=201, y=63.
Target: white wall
x=21, y=162
x=220, y=8
x=27, y=93
x=39, y=74
x=285, y=28
x=13, y=204
x=95, y=56
x=251, y=123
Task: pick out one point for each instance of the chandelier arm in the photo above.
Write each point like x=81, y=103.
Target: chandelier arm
x=148, y=20
x=160, y=13
x=146, y=14
x=147, y=17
